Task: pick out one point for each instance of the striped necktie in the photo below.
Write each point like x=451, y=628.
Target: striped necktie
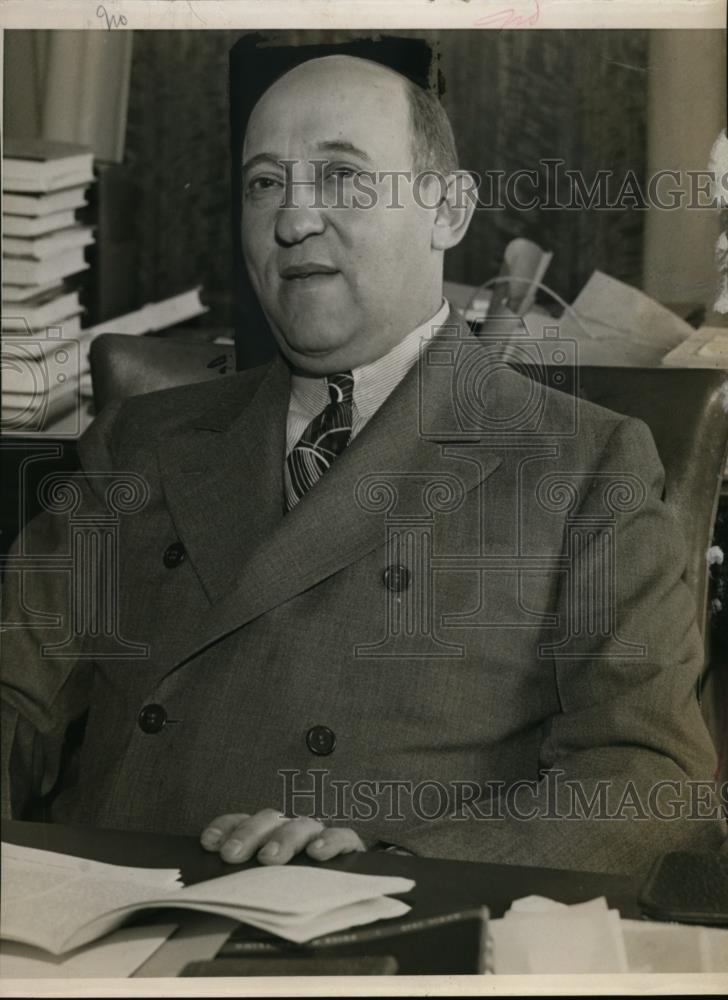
x=325, y=437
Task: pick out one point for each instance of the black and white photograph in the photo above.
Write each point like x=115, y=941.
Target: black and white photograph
x=364, y=500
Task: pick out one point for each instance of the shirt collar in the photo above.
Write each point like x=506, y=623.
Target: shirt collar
x=375, y=381
x=372, y=382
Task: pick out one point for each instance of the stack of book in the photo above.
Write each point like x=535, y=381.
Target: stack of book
x=44, y=251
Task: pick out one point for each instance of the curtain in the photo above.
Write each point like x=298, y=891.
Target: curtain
x=178, y=166
x=520, y=98
x=70, y=86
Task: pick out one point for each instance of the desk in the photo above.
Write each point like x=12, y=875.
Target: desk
x=455, y=883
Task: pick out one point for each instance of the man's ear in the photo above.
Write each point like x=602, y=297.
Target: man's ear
x=455, y=210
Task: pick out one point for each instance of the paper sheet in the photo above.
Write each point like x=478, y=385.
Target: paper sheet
x=366, y=911
x=552, y=939
x=118, y=955
x=297, y=902
x=155, y=315
x=293, y=889
x=705, y=348
x=620, y=326
x=539, y=935
x=668, y=947
x=43, y=889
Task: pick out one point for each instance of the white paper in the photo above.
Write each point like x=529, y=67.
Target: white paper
x=617, y=325
x=366, y=911
x=116, y=956
x=539, y=935
x=553, y=939
x=705, y=348
x=44, y=889
x=294, y=902
x=293, y=889
x=155, y=315
x=669, y=947
x=14, y=855
x=536, y=904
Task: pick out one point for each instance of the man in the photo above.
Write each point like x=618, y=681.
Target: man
x=306, y=651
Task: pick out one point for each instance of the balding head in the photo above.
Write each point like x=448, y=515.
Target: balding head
x=349, y=96
x=342, y=269
x=431, y=138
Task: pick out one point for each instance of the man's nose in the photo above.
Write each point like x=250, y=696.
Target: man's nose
x=300, y=215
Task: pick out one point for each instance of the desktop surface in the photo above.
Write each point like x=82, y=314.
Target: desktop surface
x=442, y=886
x=462, y=882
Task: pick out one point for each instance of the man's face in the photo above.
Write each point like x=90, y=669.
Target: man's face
x=340, y=284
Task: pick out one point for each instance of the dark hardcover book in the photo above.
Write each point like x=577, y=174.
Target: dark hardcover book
x=283, y=965
x=439, y=944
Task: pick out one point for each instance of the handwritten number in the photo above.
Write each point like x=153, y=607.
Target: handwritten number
x=112, y=20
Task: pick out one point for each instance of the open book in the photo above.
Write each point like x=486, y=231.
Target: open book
x=57, y=902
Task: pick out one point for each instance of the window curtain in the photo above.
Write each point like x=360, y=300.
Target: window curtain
x=70, y=86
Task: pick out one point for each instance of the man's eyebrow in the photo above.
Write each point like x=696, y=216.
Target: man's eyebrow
x=326, y=146
x=342, y=146
x=259, y=158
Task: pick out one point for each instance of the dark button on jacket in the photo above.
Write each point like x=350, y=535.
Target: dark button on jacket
x=396, y=577
x=152, y=719
x=174, y=554
x=320, y=740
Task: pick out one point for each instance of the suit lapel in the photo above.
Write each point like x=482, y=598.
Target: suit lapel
x=236, y=491
x=223, y=480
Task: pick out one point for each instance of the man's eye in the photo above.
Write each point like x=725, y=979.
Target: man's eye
x=260, y=184
x=343, y=171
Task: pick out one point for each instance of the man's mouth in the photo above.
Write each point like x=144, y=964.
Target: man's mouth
x=300, y=272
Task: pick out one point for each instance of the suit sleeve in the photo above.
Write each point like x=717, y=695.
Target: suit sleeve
x=628, y=740
x=41, y=694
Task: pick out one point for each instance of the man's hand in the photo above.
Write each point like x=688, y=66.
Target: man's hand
x=274, y=839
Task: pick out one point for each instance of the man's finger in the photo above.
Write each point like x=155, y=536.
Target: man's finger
x=332, y=842
x=216, y=833
x=290, y=838
x=249, y=835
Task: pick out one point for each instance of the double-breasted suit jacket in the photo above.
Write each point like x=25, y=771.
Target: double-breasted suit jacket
x=479, y=603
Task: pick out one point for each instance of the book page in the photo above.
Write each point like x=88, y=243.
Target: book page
x=119, y=954
x=58, y=902
x=297, y=890
x=295, y=902
x=47, y=896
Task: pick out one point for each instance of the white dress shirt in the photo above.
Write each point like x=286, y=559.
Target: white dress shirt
x=373, y=383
